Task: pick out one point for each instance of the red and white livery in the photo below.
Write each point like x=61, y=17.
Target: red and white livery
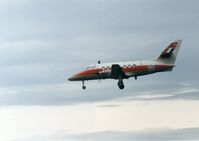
x=125, y=70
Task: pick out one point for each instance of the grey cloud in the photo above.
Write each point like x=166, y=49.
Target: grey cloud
x=177, y=92
x=146, y=135
x=71, y=93
x=161, y=134
x=108, y=105
x=42, y=43
x=48, y=20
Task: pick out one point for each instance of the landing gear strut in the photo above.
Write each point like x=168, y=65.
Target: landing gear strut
x=83, y=86
x=136, y=77
x=120, y=83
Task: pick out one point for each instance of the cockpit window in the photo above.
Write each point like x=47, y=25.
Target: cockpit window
x=91, y=67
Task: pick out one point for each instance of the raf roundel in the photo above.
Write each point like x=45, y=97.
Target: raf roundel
x=151, y=67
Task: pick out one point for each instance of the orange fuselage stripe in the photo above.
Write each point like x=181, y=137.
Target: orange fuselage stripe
x=141, y=68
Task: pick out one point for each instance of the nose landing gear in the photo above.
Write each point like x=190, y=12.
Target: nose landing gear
x=83, y=86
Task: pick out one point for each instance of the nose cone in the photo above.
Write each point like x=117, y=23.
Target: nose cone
x=71, y=78
x=74, y=78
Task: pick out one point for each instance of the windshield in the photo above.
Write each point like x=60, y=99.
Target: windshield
x=91, y=67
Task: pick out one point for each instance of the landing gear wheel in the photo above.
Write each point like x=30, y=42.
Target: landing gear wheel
x=120, y=84
x=83, y=86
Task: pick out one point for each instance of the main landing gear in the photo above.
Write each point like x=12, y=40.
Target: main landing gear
x=83, y=86
x=120, y=83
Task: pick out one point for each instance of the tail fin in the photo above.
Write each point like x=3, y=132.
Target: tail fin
x=169, y=54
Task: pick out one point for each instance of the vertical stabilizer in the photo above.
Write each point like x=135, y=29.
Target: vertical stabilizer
x=169, y=55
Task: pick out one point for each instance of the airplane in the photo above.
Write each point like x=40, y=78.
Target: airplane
x=124, y=70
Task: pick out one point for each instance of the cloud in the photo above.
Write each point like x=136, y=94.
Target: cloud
x=145, y=135
x=18, y=122
x=175, y=93
x=108, y=106
x=69, y=93
x=43, y=43
x=158, y=134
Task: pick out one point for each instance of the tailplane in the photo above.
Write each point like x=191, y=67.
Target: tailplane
x=168, y=56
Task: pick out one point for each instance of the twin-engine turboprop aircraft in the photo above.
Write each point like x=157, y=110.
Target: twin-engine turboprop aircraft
x=125, y=70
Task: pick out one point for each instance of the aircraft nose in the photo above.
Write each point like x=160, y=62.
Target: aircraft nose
x=74, y=78
x=71, y=78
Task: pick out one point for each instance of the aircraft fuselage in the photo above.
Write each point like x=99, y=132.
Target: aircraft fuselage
x=130, y=69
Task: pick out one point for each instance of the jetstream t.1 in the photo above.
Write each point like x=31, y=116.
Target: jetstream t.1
x=125, y=70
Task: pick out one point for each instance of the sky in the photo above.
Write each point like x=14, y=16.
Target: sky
x=44, y=42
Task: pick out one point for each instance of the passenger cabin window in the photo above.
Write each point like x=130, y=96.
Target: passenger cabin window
x=106, y=68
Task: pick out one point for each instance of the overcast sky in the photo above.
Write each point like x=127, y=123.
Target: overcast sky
x=43, y=42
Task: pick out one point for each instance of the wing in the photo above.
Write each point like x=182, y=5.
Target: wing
x=116, y=71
